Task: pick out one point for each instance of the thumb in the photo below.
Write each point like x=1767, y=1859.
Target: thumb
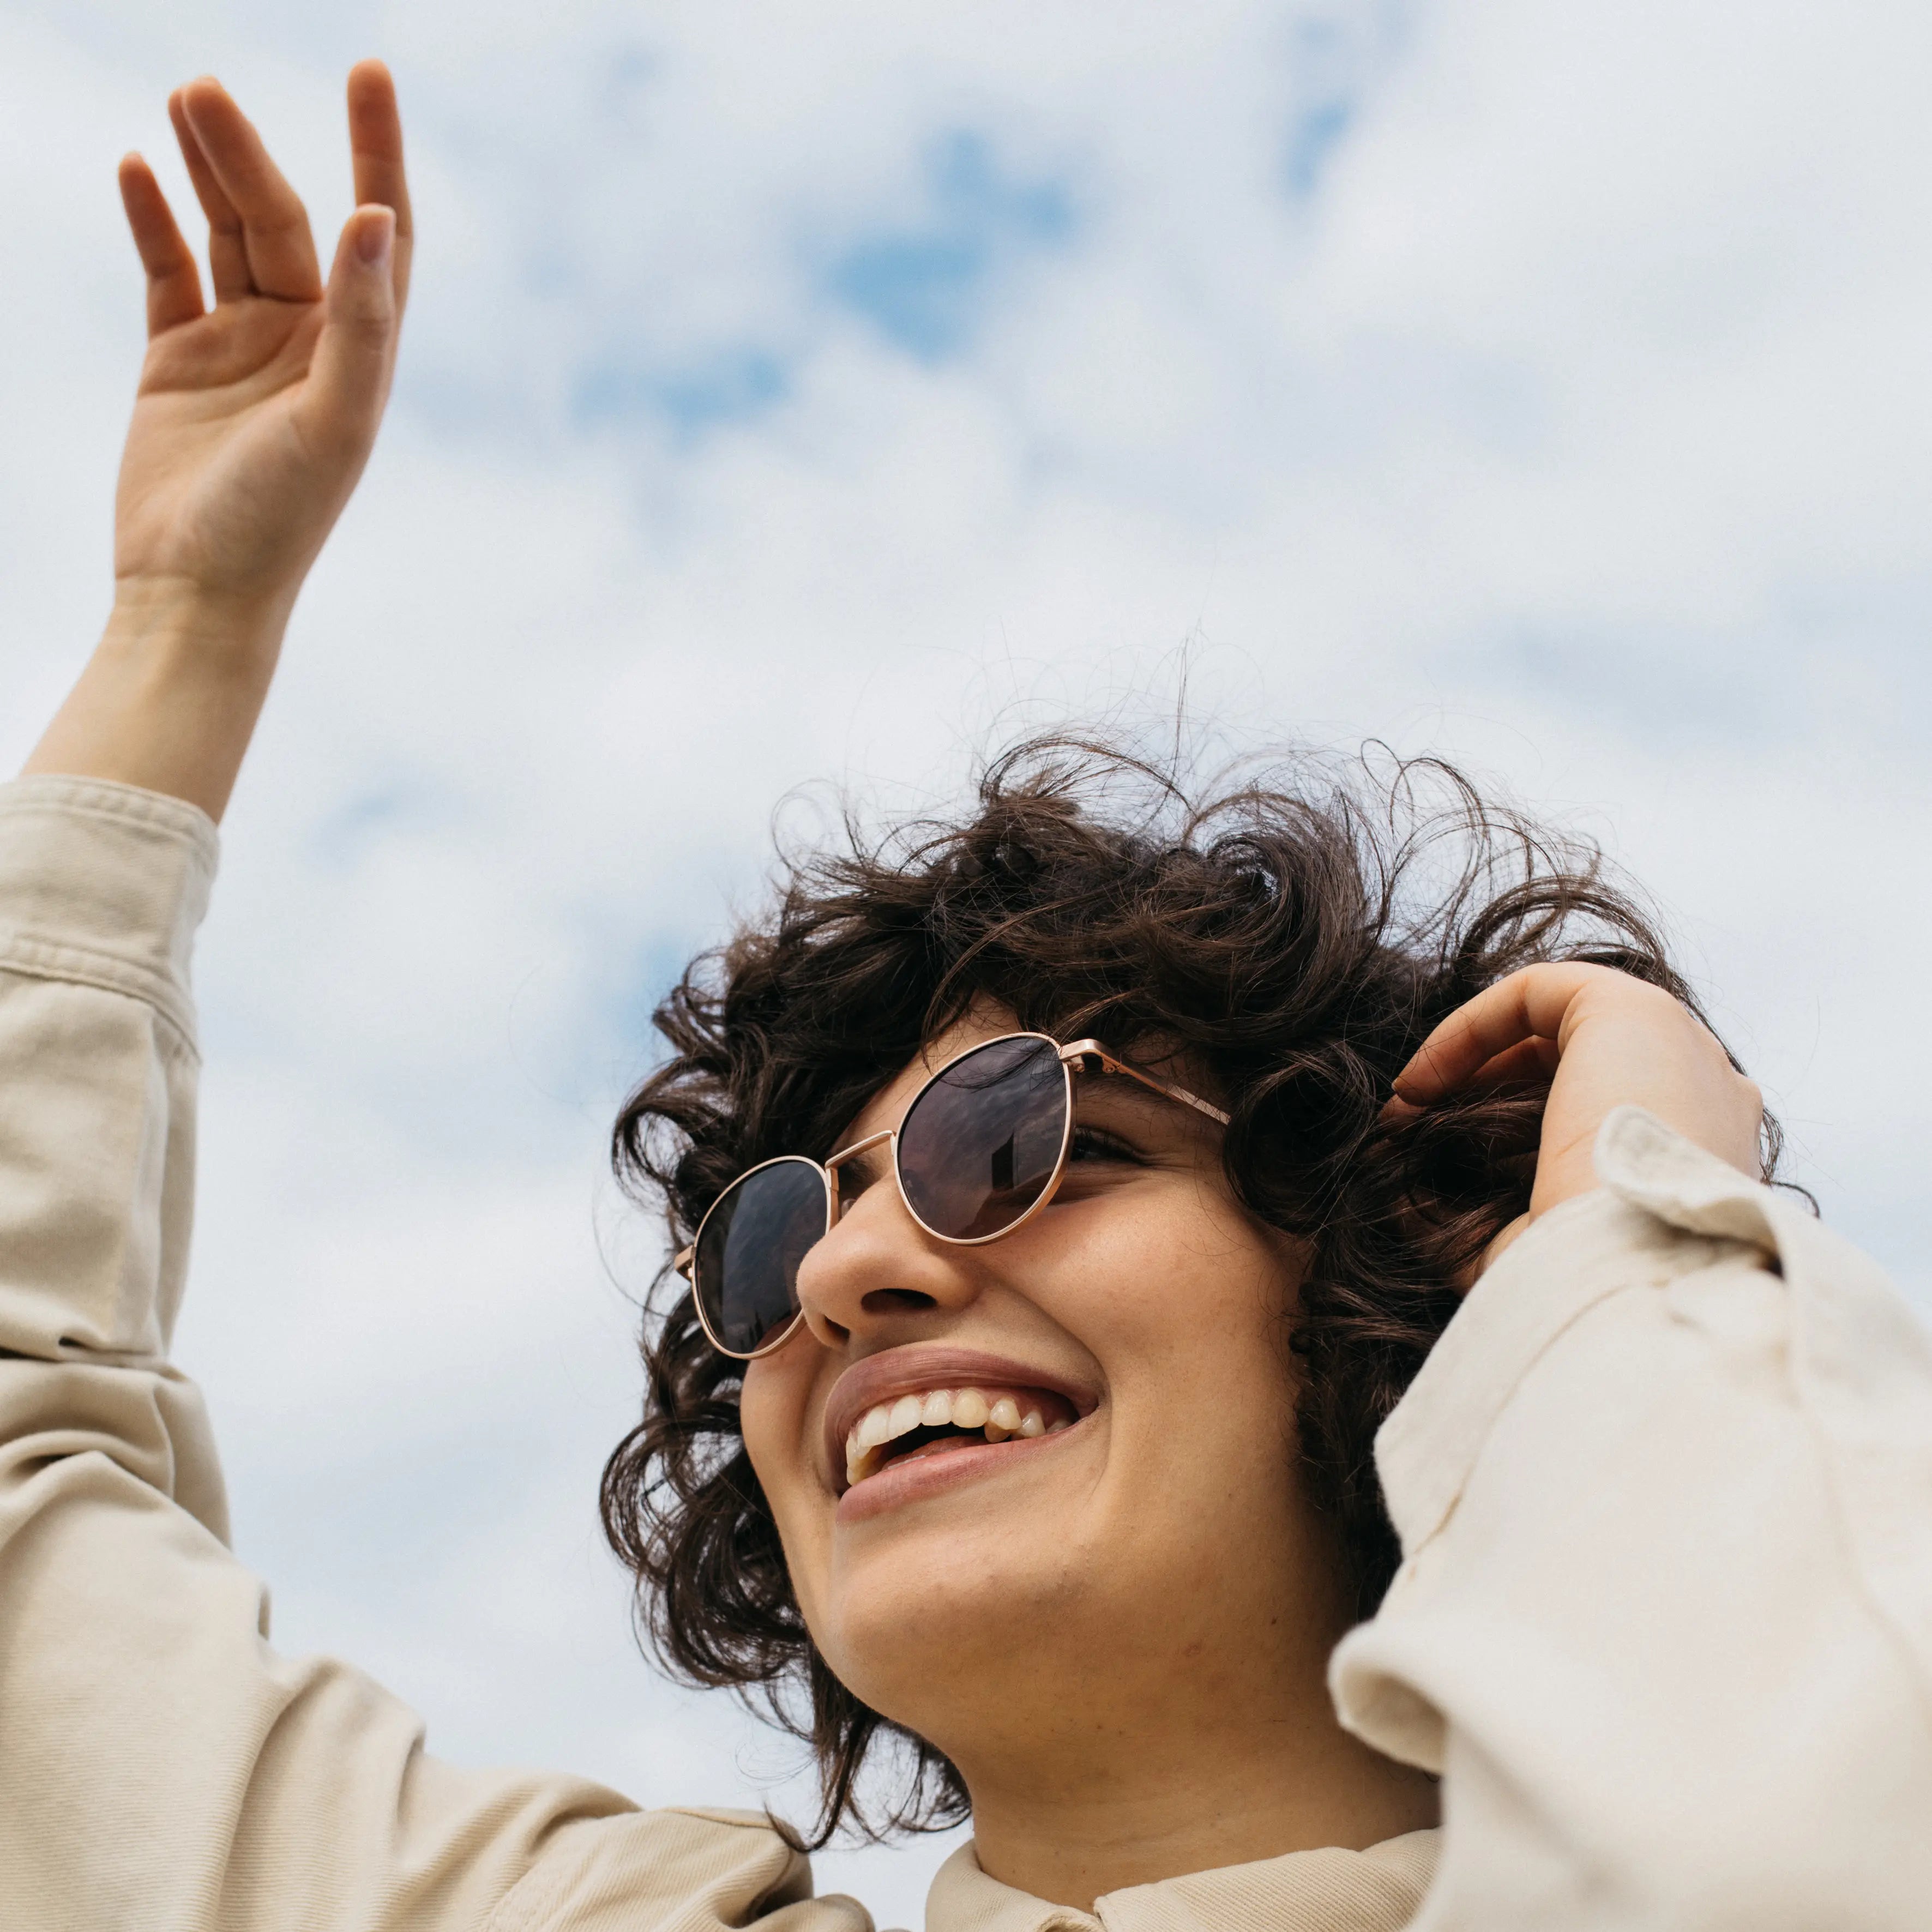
x=348, y=381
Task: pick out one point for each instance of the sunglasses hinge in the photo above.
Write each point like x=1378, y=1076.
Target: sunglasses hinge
x=1085, y=1058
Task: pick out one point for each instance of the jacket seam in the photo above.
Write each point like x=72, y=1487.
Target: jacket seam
x=61, y=962
x=59, y=795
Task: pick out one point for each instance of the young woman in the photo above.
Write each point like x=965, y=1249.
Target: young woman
x=1284, y=1396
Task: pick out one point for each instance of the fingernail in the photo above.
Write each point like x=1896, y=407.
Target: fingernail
x=375, y=237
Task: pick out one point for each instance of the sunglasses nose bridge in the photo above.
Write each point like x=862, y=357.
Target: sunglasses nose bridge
x=867, y=1277
x=888, y=1138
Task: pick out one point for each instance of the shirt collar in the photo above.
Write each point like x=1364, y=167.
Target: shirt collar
x=1378, y=1890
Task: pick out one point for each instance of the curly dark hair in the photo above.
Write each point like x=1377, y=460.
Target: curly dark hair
x=1293, y=931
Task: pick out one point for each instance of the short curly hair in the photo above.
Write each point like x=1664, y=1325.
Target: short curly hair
x=1293, y=931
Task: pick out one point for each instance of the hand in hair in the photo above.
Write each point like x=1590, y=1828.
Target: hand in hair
x=1602, y=1039
x=251, y=424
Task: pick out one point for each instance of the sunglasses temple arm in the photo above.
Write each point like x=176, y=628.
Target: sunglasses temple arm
x=1088, y=1049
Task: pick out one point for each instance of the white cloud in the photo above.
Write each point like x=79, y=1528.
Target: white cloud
x=1575, y=420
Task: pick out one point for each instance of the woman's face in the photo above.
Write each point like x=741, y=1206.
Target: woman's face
x=1142, y=1553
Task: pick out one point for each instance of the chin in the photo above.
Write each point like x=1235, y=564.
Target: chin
x=905, y=1613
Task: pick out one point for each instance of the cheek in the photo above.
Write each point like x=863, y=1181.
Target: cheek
x=773, y=1412
x=1188, y=1314
x=1187, y=1285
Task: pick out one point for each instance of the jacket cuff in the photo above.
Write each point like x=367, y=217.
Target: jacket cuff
x=104, y=884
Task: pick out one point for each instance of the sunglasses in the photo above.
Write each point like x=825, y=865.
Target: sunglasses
x=980, y=1151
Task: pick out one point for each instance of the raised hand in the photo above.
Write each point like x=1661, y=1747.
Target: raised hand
x=1601, y=1039
x=254, y=418
x=252, y=423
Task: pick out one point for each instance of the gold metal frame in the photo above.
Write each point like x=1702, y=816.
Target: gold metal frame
x=1084, y=1056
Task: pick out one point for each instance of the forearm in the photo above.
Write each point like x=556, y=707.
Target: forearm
x=170, y=697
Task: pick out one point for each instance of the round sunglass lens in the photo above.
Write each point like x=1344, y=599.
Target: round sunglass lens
x=978, y=1148
x=745, y=1270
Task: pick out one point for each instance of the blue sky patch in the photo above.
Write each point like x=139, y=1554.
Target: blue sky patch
x=926, y=287
x=1318, y=131
x=365, y=818
x=1333, y=66
x=732, y=386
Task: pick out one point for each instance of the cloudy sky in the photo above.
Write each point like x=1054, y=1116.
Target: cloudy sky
x=796, y=394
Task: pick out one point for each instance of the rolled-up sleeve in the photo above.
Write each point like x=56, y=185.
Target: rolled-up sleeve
x=161, y=1767
x=1664, y=1620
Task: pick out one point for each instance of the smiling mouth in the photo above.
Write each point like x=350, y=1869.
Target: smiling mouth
x=933, y=1421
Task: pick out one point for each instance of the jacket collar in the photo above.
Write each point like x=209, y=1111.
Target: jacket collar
x=1379, y=1890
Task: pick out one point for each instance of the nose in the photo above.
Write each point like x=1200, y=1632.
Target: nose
x=876, y=1270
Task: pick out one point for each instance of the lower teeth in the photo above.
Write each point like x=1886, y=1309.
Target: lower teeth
x=872, y=1461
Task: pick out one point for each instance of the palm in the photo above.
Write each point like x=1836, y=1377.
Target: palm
x=252, y=421
x=213, y=446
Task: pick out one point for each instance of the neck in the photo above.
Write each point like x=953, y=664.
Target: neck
x=1129, y=1809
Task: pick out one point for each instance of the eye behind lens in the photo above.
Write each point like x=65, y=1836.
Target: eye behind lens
x=982, y=1142
x=745, y=1272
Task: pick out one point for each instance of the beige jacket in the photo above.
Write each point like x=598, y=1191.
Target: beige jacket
x=1665, y=1625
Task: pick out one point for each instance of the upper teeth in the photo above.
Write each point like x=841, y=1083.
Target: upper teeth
x=1000, y=1416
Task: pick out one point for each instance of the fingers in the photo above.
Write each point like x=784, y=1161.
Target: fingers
x=341, y=403
x=174, y=283
x=259, y=242
x=227, y=253
x=1530, y=1063
x=375, y=148
x=259, y=229
x=1528, y=1006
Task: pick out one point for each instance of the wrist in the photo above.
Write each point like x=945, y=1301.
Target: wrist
x=169, y=699
x=171, y=627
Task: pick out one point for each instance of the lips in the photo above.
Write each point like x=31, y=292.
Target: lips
x=927, y=1371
